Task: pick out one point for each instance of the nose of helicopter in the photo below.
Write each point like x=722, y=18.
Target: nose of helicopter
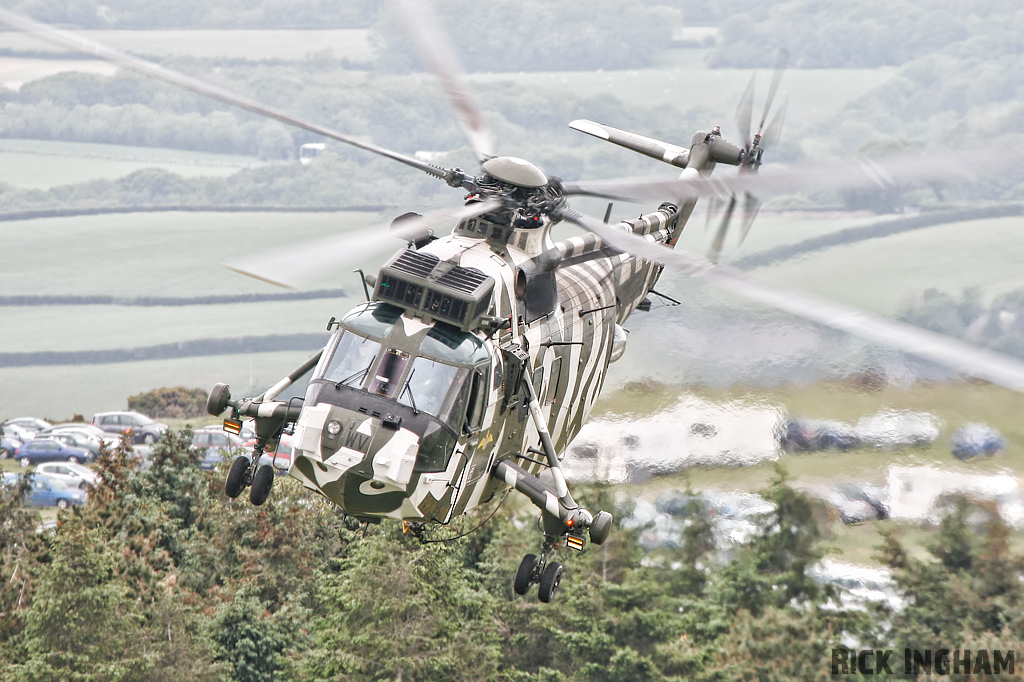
x=363, y=462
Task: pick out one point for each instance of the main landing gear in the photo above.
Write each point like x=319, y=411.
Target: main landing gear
x=560, y=524
x=247, y=470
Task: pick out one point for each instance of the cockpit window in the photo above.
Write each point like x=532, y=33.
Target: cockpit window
x=352, y=360
x=373, y=319
x=428, y=383
x=388, y=372
x=448, y=343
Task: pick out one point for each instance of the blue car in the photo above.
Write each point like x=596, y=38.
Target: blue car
x=8, y=446
x=50, y=450
x=48, y=493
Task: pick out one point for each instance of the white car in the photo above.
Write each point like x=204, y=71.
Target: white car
x=71, y=475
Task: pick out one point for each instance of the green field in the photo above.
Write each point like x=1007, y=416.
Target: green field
x=881, y=275
x=158, y=254
x=240, y=44
x=682, y=80
x=63, y=391
x=41, y=164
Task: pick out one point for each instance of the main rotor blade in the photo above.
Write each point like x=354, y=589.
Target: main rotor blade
x=309, y=262
x=434, y=48
x=780, y=68
x=956, y=355
x=90, y=47
x=745, y=111
x=858, y=172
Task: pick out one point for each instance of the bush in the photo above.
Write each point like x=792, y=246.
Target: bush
x=170, y=403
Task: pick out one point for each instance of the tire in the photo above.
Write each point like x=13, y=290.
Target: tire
x=235, y=482
x=25, y=462
x=4, y=453
x=524, y=576
x=549, y=582
x=63, y=504
x=600, y=528
x=73, y=459
x=149, y=439
x=218, y=399
x=262, y=482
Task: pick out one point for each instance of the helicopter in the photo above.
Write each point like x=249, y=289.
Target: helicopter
x=478, y=355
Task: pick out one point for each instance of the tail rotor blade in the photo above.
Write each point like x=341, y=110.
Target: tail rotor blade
x=774, y=130
x=745, y=110
x=780, y=68
x=751, y=207
x=715, y=252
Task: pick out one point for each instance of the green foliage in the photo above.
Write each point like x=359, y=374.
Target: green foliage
x=999, y=326
x=170, y=403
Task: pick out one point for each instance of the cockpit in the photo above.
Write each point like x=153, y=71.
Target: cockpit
x=431, y=376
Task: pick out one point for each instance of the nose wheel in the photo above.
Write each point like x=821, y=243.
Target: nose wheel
x=534, y=569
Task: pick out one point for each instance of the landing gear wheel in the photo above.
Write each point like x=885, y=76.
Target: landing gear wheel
x=524, y=576
x=549, y=581
x=261, y=484
x=235, y=482
x=600, y=528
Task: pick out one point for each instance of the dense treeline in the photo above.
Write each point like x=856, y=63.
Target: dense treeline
x=175, y=402
x=161, y=577
x=998, y=325
x=861, y=34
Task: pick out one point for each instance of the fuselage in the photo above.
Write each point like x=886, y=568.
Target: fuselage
x=416, y=395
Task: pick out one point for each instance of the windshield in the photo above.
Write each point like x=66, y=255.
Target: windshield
x=351, y=360
x=428, y=383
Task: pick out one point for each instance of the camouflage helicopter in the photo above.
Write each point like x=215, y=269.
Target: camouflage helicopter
x=479, y=355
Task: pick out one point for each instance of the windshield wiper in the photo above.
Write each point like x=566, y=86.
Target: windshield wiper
x=360, y=374
x=408, y=389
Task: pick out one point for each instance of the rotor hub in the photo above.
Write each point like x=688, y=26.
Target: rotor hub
x=515, y=171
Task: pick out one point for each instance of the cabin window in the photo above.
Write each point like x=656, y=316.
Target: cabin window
x=389, y=371
x=538, y=384
x=555, y=381
x=352, y=360
x=477, y=399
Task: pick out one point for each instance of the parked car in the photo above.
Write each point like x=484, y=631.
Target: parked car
x=73, y=475
x=32, y=425
x=111, y=440
x=40, y=450
x=214, y=444
x=47, y=492
x=139, y=427
x=18, y=433
x=76, y=439
x=974, y=439
x=8, y=446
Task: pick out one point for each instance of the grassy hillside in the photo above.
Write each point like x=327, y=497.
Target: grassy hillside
x=42, y=164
